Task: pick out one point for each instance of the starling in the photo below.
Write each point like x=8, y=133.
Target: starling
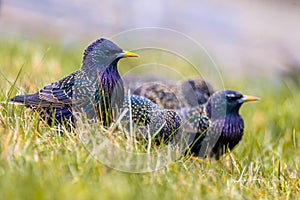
x=161, y=94
x=196, y=91
x=94, y=90
x=217, y=124
x=163, y=124
x=170, y=95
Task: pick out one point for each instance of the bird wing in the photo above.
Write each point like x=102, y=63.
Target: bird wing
x=196, y=124
x=73, y=89
x=195, y=119
x=208, y=144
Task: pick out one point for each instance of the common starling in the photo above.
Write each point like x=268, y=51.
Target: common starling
x=163, y=95
x=196, y=91
x=217, y=124
x=170, y=95
x=162, y=124
x=95, y=89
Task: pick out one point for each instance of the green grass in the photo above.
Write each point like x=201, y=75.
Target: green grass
x=36, y=163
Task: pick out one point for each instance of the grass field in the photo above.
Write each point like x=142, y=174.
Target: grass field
x=36, y=163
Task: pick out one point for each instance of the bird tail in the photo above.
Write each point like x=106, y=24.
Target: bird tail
x=17, y=100
x=10, y=102
x=24, y=99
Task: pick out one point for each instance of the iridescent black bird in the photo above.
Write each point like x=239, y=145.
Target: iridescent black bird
x=95, y=89
x=196, y=91
x=189, y=93
x=162, y=94
x=217, y=125
x=162, y=124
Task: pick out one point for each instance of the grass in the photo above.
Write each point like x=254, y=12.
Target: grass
x=36, y=163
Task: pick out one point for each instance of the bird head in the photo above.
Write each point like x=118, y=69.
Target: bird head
x=102, y=53
x=196, y=91
x=226, y=102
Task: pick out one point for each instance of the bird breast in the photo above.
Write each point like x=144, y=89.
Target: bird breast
x=232, y=127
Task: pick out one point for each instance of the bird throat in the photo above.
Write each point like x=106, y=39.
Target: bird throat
x=111, y=91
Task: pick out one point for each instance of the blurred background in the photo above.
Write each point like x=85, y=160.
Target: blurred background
x=249, y=37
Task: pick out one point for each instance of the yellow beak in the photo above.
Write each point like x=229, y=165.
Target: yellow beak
x=126, y=54
x=247, y=98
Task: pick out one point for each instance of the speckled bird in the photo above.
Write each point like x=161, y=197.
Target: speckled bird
x=95, y=89
x=170, y=95
x=163, y=95
x=163, y=124
x=217, y=124
x=196, y=91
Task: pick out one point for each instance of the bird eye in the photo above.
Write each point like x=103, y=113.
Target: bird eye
x=231, y=98
x=107, y=52
x=110, y=52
